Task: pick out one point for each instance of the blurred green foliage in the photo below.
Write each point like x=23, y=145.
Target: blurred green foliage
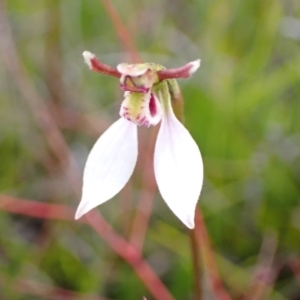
x=242, y=107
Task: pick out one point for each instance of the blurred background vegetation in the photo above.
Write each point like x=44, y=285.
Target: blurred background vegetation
x=242, y=107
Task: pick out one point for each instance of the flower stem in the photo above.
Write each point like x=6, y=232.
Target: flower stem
x=196, y=264
x=209, y=266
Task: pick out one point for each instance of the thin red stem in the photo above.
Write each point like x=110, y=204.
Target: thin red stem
x=196, y=264
x=209, y=264
x=264, y=273
x=121, y=30
x=36, y=209
x=130, y=255
x=125, y=250
x=141, y=219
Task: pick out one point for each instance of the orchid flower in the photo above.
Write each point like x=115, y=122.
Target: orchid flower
x=149, y=90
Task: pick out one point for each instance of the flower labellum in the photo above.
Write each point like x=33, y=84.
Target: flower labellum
x=149, y=90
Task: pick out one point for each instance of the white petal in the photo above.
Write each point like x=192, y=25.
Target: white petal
x=88, y=56
x=194, y=66
x=178, y=169
x=109, y=165
x=132, y=69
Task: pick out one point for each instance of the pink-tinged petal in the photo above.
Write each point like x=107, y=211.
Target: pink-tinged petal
x=185, y=71
x=98, y=66
x=109, y=166
x=178, y=169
